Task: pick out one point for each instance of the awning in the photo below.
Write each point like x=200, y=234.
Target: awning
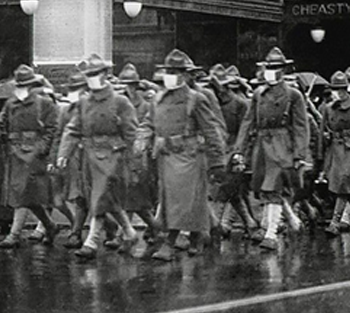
x=266, y=10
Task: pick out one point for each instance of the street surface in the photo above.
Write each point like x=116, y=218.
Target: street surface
x=241, y=278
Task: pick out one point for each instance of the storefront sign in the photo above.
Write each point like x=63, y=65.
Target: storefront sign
x=316, y=9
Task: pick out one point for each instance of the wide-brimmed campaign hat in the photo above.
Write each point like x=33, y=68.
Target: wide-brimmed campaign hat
x=218, y=72
x=339, y=80
x=76, y=80
x=24, y=76
x=128, y=74
x=94, y=65
x=275, y=58
x=176, y=59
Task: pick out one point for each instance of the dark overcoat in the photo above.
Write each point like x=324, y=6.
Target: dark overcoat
x=105, y=123
x=180, y=120
x=29, y=127
x=278, y=116
x=336, y=124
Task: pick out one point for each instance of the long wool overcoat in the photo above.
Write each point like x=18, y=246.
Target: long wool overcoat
x=336, y=123
x=105, y=123
x=29, y=127
x=278, y=116
x=179, y=119
x=68, y=183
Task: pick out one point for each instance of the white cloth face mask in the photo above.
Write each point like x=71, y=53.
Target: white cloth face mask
x=73, y=96
x=272, y=76
x=170, y=81
x=95, y=82
x=21, y=93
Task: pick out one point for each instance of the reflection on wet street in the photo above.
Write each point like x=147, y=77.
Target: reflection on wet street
x=35, y=278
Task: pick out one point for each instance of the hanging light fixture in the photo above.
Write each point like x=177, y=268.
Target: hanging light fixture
x=318, y=33
x=29, y=7
x=132, y=7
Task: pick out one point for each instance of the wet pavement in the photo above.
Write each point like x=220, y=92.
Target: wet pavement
x=35, y=278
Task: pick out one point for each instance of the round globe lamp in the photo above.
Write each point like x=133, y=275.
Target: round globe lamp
x=29, y=7
x=132, y=8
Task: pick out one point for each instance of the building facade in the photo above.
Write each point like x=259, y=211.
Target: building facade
x=226, y=31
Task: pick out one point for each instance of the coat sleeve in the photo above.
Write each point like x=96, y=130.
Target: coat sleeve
x=49, y=120
x=213, y=138
x=72, y=134
x=248, y=124
x=4, y=123
x=128, y=120
x=322, y=135
x=300, y=126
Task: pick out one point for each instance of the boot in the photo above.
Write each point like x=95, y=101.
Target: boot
x=152, y=248
x=10, y=242
x=259, y=234
x=128, y=244
x=345, y=220
x=196, y=244
x=74, y=241
x=93, y=238
x=274, y=212
x=38, y=234
x=165, y=253
x=114, y=243
x=333, y=229
x=86, y=253
x=250, y=224
x=293, y=220
x=50, y=235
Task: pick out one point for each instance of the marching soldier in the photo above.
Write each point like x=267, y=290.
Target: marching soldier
x=106, y=124
x=278, y=115
x=28, y=123
x=234, y=106
x=180, y=118
x=68, y=184
x=335, y=127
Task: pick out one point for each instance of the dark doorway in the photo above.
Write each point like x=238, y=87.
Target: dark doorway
x=15, y=39
x=326, y=57
x=208, y=39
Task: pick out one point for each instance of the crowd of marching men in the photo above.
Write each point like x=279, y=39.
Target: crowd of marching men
x=185, y=152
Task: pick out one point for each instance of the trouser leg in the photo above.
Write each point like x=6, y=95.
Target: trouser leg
x=19, y=219
x=274, y=212
x=96, y=226
x=334, y=228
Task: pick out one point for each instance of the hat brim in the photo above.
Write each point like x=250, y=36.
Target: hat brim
x=165, y=66
x=255, y=81
x=279, y=64
x=96, y=70
x=344, y=86
x=28, y=82
x=194, y=68
x=128, y=81
x=227, y=81
x=76, y=85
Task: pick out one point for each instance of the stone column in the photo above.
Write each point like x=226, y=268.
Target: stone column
x=67, y=31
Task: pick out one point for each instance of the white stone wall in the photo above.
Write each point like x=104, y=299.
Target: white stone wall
x=66, y=31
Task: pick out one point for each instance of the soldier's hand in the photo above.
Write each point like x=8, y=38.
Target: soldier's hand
x=61, y=163
x=217, y=174
x=299, y=164
x=50, y=168
x=238, y=163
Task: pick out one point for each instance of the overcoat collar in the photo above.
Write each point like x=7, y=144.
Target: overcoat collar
x=343, y=105
x=103, y=94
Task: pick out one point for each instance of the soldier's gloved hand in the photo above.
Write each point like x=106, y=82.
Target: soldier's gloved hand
x=217, y=174
x=238, y=163
x=299, y=164
x=61, y=163
x=50, y=168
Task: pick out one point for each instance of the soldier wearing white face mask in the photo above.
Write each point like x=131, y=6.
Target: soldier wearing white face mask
x=179, y=120
x=105, y=123
x=335, y=127
x=28, y=121
x=278, y=116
